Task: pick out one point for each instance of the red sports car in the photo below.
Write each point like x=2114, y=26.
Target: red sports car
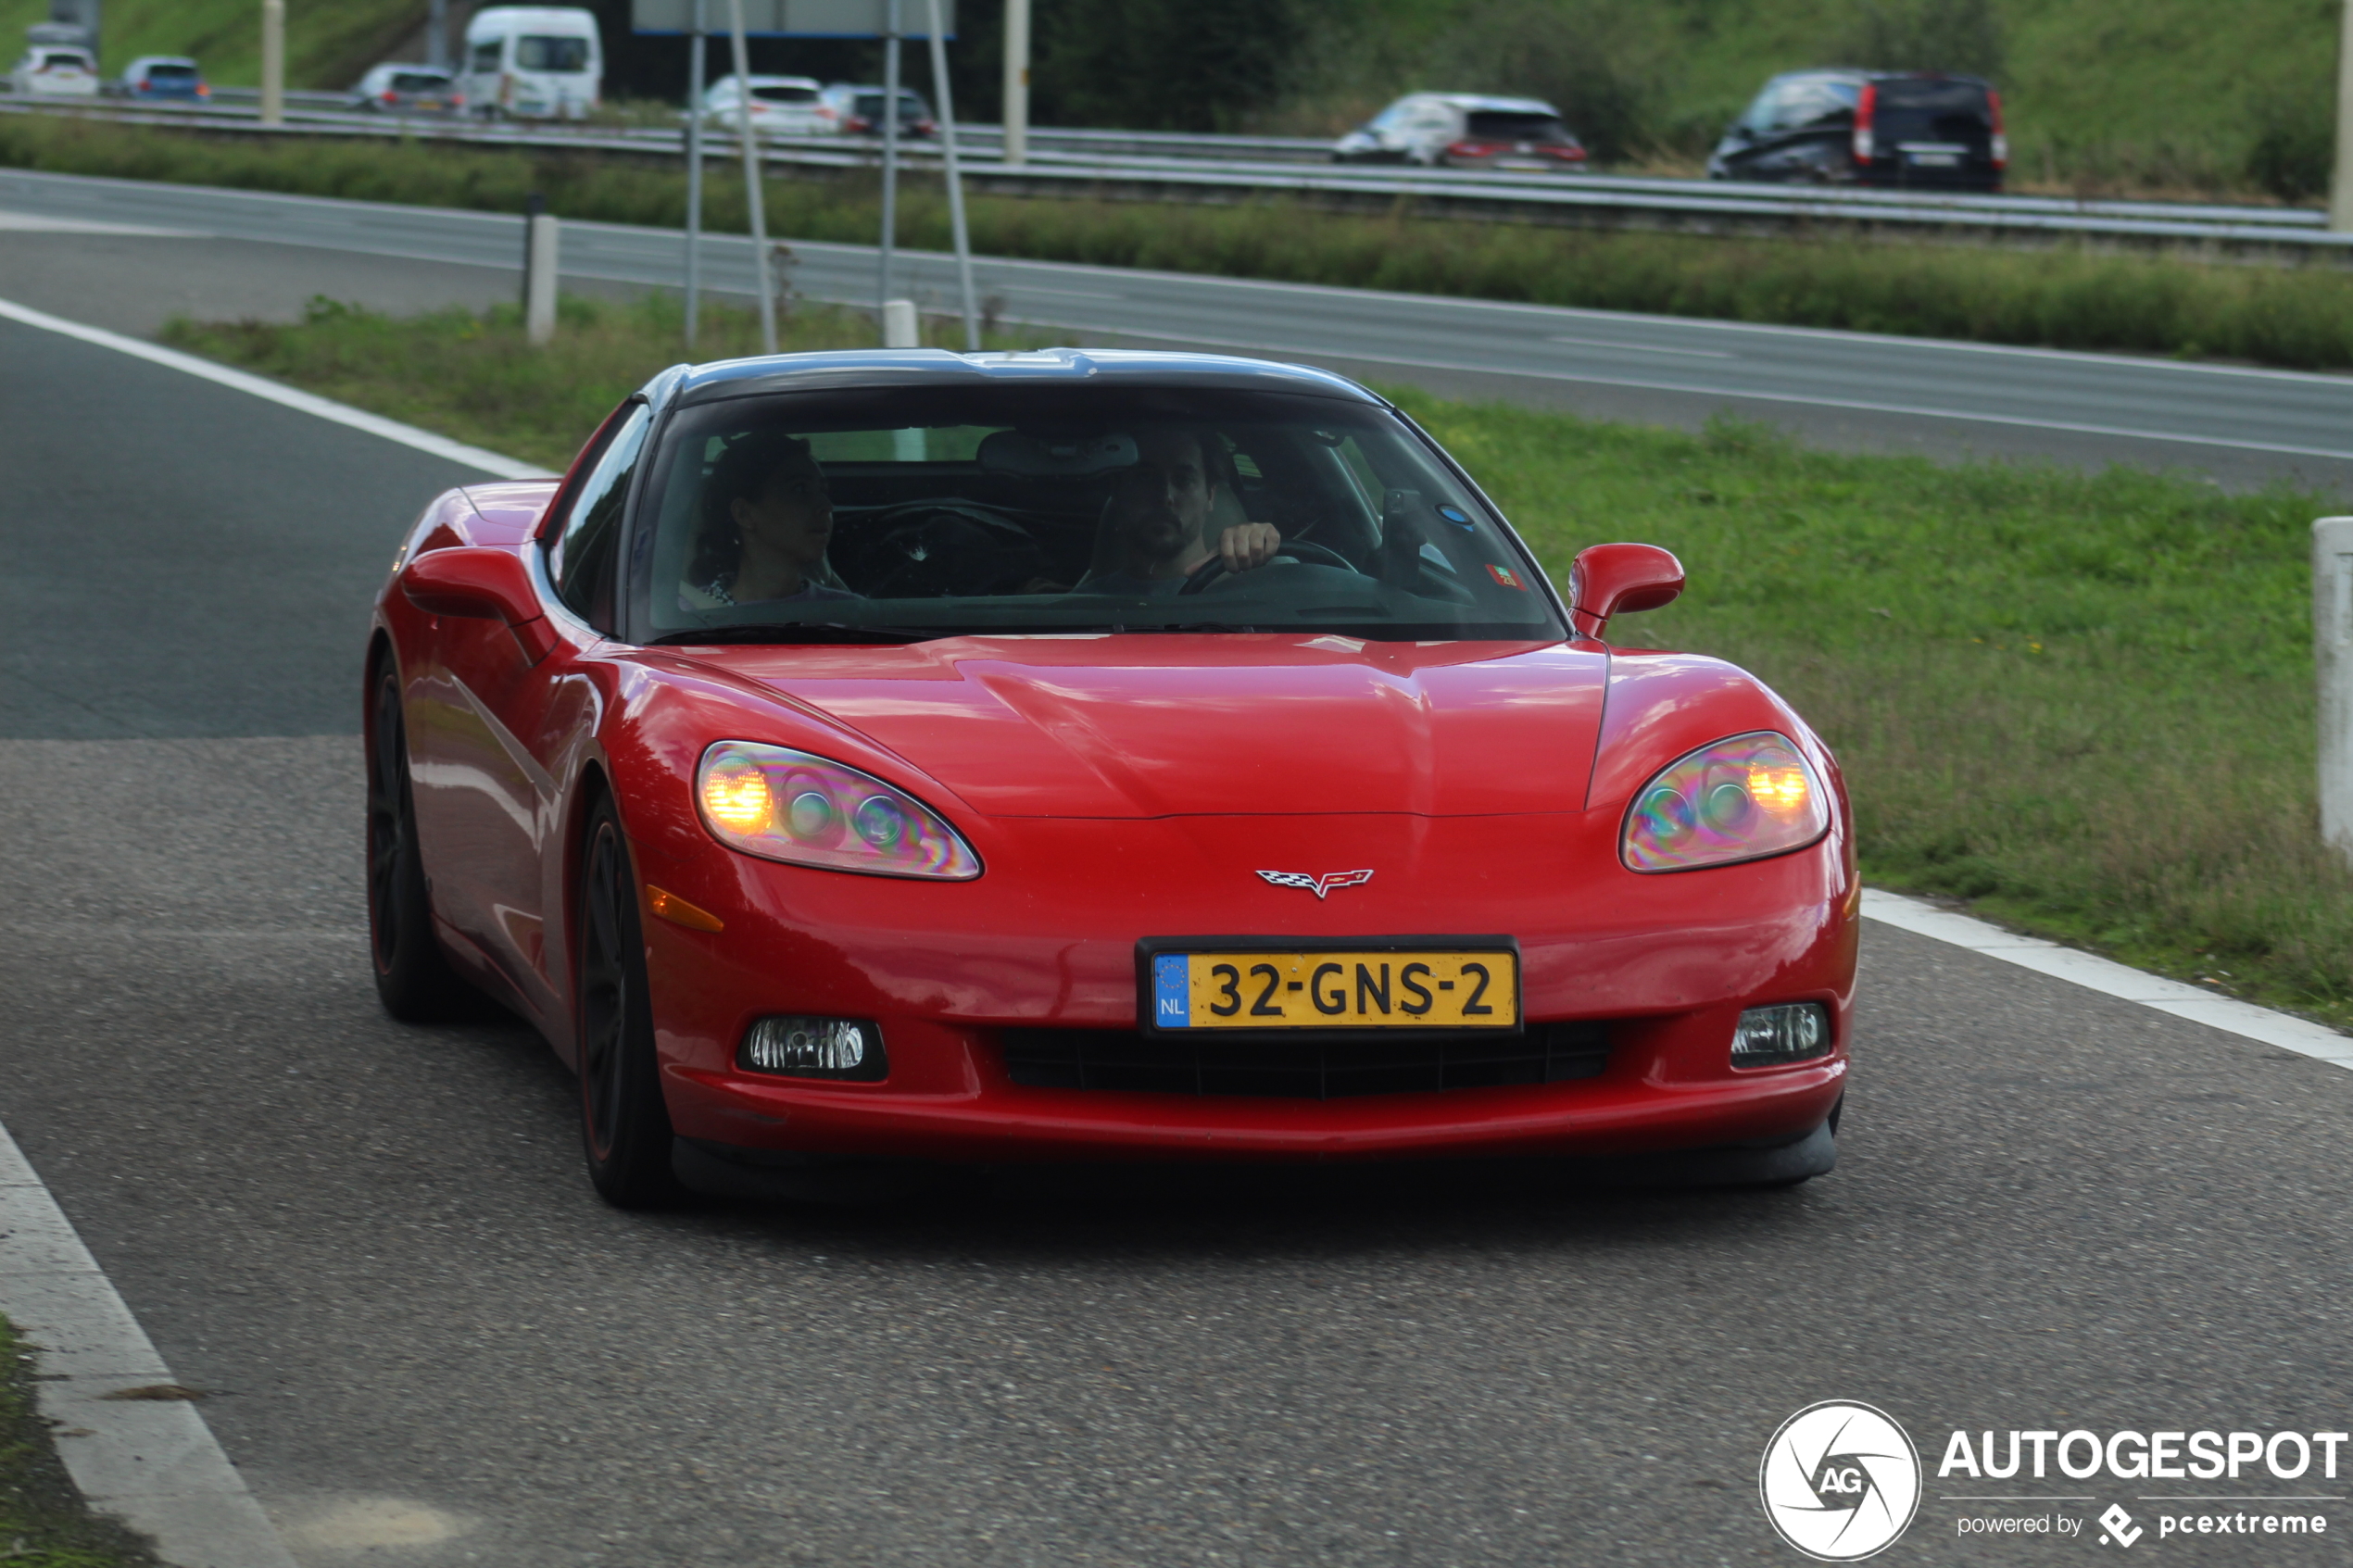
x=868, y=758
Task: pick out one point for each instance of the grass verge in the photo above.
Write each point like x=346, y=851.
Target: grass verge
x=2083, y=703
x=44, y=1523
x=455, y=370
x=2068, y=298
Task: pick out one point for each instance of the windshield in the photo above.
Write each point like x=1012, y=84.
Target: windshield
x=551, y=54
x=934, y=511
x=418, y=82
x=170, y=73
x=785, y=94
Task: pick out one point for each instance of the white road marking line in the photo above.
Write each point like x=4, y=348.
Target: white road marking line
x=35, y=223
x=153, y=1464
x=1626, y=347
x=307, y=403
x=2194, y=1003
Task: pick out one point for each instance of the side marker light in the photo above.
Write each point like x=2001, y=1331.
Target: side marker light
x=677, y=911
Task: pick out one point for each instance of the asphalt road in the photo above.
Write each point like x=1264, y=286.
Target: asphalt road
x=2243, y=426
x=425, y=1342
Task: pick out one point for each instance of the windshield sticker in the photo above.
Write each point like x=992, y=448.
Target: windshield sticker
x=1506, y=576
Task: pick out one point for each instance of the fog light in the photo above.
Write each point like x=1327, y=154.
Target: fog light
x=1769, y=1036
x=815, y=1048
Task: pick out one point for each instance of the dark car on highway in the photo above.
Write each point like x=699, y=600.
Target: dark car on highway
x=1914, y=129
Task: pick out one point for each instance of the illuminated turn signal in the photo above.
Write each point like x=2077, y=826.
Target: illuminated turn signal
x=736, y=794
x=1781, y=791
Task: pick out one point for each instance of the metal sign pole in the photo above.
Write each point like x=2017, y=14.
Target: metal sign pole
x=890, y=154
x=955, y=181
x=695, y=72
x=751, y=184
x=1016, y=111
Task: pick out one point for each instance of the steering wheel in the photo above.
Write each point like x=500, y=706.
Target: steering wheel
x=1299, y=550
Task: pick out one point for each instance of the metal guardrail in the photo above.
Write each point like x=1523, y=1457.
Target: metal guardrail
x=1213, y=169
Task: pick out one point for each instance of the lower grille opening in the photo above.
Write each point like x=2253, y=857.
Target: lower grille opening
x=1302, y=1068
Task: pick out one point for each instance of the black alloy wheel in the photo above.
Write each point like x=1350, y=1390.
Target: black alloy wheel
x=414, y=979
x=624, y=1125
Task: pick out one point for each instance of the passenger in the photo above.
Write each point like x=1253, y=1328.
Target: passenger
x=1154, y=528
x=767, y=520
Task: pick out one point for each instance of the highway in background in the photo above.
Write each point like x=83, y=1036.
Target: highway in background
x=1160, y=165
x=424, y=1342
x=2241, y=425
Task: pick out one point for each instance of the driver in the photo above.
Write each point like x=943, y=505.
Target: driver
x=1154, y=527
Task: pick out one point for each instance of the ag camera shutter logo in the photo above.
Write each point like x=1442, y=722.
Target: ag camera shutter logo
x=1840, y=1481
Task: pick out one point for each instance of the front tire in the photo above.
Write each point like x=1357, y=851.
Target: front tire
x=414, y=979
x=624, y=1123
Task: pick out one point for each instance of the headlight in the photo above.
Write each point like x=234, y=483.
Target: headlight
x=1738, y=799
x=783, y=805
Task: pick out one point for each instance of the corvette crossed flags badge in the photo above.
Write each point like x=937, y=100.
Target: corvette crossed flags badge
x=1318, y=885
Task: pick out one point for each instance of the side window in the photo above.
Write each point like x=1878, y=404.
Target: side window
x=582, y=561
x=486, y=60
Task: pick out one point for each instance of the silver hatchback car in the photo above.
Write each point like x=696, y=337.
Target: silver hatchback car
x=1466, y=130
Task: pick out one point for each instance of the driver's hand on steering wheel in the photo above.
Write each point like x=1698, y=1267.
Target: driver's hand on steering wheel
x=1248, y=544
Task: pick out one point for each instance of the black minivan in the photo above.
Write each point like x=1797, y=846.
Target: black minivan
x=1918, y=130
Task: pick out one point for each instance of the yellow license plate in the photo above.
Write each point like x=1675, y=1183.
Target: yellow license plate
x=1371, y=989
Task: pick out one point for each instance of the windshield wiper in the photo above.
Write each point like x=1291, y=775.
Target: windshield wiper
x=802, y=632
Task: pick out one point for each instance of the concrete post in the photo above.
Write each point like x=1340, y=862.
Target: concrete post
x=2341, y=182
x=539, y=283
x=901, y=328
x=1016, y=109
x=2332, y=656
x=273, y=62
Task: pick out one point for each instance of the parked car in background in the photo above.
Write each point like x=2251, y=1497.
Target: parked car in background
x=409, y=89
x=533, y=62
x=51, y=70
x=781, y=105
x=163, y=77
x=849, y=110
x=1917, y=129
x=1465, y=131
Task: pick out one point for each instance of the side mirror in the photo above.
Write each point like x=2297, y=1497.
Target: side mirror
x=1612, y=580
x=476, y=582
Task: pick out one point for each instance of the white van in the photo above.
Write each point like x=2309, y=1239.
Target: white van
x=533, y=62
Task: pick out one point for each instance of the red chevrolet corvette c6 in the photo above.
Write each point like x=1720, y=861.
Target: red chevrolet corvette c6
x=897, y=756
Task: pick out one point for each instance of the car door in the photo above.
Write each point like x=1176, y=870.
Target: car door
x=494, y=721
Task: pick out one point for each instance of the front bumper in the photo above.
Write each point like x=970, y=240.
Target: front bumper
x=1045, y=939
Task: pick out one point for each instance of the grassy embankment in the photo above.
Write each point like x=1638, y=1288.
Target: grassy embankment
x=43, y=1520
x=2082, y=702
x=2067, y=298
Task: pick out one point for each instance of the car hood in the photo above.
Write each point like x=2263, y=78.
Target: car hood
x=1175, y=726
